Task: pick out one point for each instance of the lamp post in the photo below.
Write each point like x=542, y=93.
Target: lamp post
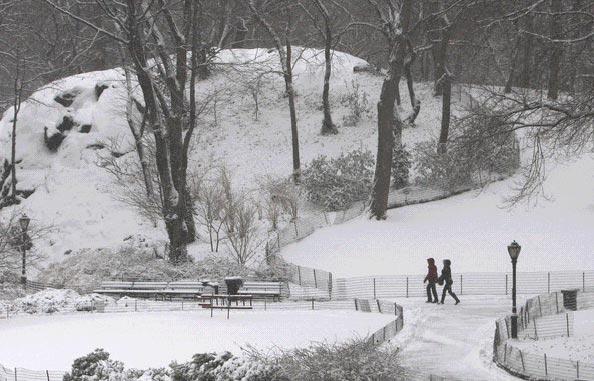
x=514, y=252
x=24, y=222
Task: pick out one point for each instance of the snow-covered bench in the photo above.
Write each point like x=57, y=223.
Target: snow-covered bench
x=144, y=289
x=260, y=289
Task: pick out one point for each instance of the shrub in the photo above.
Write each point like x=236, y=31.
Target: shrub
x=447, y=170
x=355, y=360
x=357, y=102
x=335, y=184
x=480, y=149
x=96, y=366
x=401, y=163
x=280, y=196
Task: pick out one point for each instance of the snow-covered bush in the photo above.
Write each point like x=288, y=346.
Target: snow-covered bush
x=479, y=149
x=96, y=366
x=356, y=360
x=357, y=103
x=51, y=301
x=401, y=163
x=281, y=196
x=335, y=184
x=448, y=170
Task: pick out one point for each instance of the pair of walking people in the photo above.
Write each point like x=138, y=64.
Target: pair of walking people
x=445, y=279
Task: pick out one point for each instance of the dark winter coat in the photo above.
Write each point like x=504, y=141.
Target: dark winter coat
x=446, y=273
x=432, y=271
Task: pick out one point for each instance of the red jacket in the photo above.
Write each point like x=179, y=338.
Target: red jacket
x=432, y=271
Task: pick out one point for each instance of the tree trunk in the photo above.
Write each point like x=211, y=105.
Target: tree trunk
x=328, y=126
x=556, y=50
x=388, y=125
x=442, y=57
x=173, y=219
x=513, y=64
x=286, y=66
x=527, y=56
x=445, y=113
x=291, y=95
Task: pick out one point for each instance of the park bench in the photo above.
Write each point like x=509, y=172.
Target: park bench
x=259, y=289
x=144, y=289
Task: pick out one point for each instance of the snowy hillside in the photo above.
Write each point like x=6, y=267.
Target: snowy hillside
x=472, y=229
x=61, y=131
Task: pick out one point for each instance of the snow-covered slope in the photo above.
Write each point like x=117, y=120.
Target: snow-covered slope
x=75, y=196
x=471, y=229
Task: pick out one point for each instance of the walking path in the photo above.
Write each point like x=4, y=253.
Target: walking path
x=452, y=341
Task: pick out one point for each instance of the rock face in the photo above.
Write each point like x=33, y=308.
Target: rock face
x=57, y=124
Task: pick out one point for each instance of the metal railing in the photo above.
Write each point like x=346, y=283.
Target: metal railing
x=543, y=316
x=529, y=283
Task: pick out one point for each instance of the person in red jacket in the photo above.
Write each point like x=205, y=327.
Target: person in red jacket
x=431, y=279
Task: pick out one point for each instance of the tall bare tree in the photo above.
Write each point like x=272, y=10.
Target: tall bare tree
x=286, y=63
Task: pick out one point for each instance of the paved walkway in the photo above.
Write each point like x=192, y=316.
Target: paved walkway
x=452, y=341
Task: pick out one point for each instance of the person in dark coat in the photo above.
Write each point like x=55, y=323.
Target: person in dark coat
x=431, y=278
x=446, y=277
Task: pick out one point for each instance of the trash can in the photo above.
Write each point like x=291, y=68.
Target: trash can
x=570, y=299
x=233, y=285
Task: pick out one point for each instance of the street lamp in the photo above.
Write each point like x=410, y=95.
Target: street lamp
x=24, y=222
x=514, y=252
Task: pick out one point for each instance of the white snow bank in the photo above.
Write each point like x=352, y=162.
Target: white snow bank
x=143, y=340
x=50, y=301
x=470, y=229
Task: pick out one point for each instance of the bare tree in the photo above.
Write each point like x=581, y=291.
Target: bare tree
x=286, y=64
x=150, y=31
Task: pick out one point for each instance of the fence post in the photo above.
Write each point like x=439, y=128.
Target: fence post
x=296, y=231
x=407, y=287
x=315, y=278
x=557, y=301
x=584, y=281
x=567, y=320
x=299, y=273
x=549, y=282
x=330, y=285
x=535, y=330
x=577, y=363
x=546, y=365
x=15, y=374
x=374, y=294
x=379, y=307
x=313, y=304
x=522, y=359
x=356, y=305
x=135, y=305
x=182, y=304
x=505, y=284
x=47, y=374
x=539, y=306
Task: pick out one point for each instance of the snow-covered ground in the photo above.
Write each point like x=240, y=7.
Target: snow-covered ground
x=471, y=229
x=451, y=341
x=153, y=339
x=579, y=347
x=75, y=195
